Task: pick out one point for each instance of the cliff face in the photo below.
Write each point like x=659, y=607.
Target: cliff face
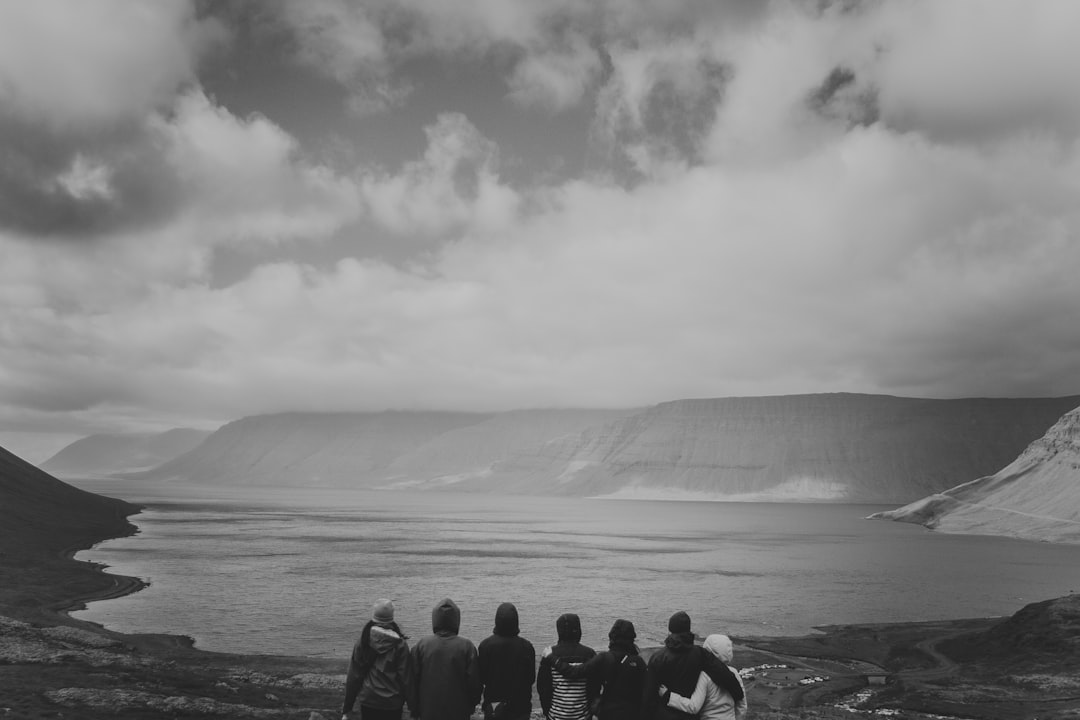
x=1036, y=496
x=831, y=447
x=122, y=453
x=835, y=447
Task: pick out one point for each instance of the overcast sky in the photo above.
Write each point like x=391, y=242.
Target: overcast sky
x=211, y=210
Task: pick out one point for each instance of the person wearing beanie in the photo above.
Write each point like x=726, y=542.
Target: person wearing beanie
x=562, y=697
x=620, y=671
x=710, y=701
x=677, y=665
x=446, y=669
x=380, y=668
x=507, y=668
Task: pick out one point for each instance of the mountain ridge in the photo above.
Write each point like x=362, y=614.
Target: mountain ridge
x=839, y=447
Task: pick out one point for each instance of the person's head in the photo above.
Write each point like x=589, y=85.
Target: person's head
x=621, y=636
x=569, y=628
x=382, y=612
x=721, y=647
x=679, y=623
x=446, y=617
x=506, y=620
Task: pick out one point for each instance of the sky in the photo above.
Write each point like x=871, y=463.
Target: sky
x=210, y=210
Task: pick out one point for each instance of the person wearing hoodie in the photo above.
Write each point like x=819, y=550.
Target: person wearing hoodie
x=380, y=669
x=561, y=697
x=446, y=669
x=710, y=701
x=677, y=665
x=620, y=671
x=507, y=668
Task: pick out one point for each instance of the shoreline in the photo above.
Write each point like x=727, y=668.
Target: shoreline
x=57, y=662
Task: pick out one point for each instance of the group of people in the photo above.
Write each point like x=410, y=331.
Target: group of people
x=444, y=676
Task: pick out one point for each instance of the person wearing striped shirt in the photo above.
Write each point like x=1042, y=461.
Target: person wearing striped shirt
x=561, y=697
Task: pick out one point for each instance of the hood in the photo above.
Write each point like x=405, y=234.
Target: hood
x=383, y=639
x=621, y=637
x=506, y=620
x=679, y=642
x=446, y=617
x=720, y=646
x=569, y=628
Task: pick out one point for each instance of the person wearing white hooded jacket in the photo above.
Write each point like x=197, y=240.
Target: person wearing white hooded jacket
x=710, y=701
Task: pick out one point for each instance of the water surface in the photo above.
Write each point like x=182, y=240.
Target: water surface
x=295, y=571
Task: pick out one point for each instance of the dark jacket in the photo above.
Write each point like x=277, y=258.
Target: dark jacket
x=565, y=698
x=446, y=669
x=507, y=667
x=621, y=672
x=677, y=666
x=380, y=669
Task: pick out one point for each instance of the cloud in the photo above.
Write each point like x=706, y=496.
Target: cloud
x=455, y=186
x=817, y=205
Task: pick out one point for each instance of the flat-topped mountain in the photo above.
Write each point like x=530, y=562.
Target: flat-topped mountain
x=1036, y=496
x=828, y=447
x=296, y=449
x=108, y=454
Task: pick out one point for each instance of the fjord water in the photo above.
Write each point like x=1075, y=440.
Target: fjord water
x=295, y=571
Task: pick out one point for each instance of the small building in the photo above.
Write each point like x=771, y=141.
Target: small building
x=876, y=678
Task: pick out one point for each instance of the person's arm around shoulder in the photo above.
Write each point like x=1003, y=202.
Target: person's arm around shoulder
x=722, y=675
x=591, y=668
x=695, y=702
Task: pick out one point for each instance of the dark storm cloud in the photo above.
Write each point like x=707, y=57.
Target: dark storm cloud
x=125, y=182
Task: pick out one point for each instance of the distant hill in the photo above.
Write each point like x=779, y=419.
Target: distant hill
x=828, y=447
x=123, y=452
x=299, y=449
x=1040, y=636
x=1036, y=496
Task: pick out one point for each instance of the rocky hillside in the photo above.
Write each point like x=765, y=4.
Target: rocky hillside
x=1036, y=496
x=831, y=447
x=41, y=518
x=1041, y=636
x=122, y=453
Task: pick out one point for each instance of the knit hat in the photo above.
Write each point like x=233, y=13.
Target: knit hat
x=382, y=612
x=679, y=623
x=720, y=646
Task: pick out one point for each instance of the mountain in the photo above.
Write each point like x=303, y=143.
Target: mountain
x=310, y=448
x=1035, y=497
x=829, y=447
x=122, y=453
x=824, y=447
